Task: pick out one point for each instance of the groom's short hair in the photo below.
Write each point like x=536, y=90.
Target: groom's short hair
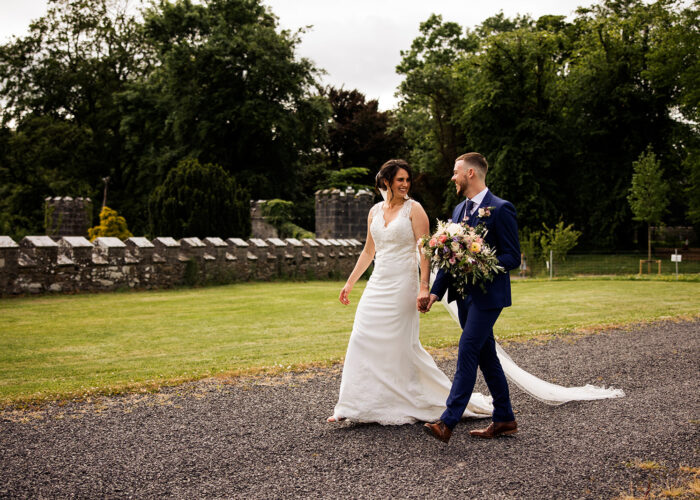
x=475, y=160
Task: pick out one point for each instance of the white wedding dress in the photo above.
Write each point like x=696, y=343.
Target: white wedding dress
x=388, y=377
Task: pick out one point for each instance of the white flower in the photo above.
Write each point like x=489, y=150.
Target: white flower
x=454, y=229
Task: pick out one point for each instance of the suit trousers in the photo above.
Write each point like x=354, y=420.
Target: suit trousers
x=477, y=348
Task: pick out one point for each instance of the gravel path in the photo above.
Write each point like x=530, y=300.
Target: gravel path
x=266, y=438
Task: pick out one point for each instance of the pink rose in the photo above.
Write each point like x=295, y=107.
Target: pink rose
x=432, y=243
x=442, y=238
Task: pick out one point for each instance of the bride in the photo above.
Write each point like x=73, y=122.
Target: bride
x=388, y=377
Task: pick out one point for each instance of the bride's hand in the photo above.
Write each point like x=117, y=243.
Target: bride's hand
x=422, y=301
x=345, y=294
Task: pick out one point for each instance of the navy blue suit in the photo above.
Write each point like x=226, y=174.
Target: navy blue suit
x=478, y=312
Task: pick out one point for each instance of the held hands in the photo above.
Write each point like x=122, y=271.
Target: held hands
x=425, y=302
x=344, y=296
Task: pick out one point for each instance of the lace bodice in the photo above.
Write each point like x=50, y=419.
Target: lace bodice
x=393, y=241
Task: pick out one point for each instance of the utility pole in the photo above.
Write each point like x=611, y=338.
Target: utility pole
x=104, y=198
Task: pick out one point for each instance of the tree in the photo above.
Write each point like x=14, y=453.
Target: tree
x=111, y=224
x=558, y=240
x=429, y=110
x=229, y=90
x=360, y=135
x=199, y=200
x=648, y=196
x=560, y=108
x=42, y=156
x=58, y=86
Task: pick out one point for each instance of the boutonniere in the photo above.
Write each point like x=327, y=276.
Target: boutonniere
x=485, y=212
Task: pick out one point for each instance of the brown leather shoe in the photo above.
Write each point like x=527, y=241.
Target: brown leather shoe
x=438, y=430
x=496, y=429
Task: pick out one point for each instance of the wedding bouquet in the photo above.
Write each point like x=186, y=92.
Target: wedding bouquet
x=460, y=250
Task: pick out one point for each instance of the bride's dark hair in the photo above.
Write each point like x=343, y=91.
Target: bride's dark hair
x=388, y=171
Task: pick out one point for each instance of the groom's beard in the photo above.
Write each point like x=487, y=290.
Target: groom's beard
x=461, y=190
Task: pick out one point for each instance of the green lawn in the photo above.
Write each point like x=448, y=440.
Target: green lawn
x=611, y=264
x=63, y=346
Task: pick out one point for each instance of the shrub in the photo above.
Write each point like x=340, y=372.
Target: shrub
x=559, y=239
x=199, y=200
x=111, y=224
x=279, y=213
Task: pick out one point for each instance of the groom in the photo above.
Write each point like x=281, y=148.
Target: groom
x=478, y=311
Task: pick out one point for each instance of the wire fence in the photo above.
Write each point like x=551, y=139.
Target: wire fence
x=608, y=264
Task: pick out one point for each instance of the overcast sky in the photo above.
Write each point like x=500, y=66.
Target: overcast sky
x=357, y=42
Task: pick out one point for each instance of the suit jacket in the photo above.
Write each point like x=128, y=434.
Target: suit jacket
x=502, y=235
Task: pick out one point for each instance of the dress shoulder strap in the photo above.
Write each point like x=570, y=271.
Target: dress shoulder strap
x=375, y=209
x=406, y=208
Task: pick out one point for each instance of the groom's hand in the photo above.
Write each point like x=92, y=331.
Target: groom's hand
x=431, y=300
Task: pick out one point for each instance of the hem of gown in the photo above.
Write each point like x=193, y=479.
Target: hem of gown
x=368, y=418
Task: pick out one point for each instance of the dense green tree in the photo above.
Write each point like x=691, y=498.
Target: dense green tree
x=560, y=109
x=359, y=135
x=648, y=195
x=228, y=89
x=43, y=156
x=429, y=108
x=69, y=68
x=199, y=200
x=58, y=85
x=509, y=114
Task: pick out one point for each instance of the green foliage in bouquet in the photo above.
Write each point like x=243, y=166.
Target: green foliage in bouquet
x=461, y=251
x=199, y=200
x=111, y=224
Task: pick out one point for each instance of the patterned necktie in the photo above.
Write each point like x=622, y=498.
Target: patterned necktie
x=468, y=207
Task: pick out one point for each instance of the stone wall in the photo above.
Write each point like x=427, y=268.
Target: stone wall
x=67, y=216
x=71, y=264
x=259, y=227
x=342, y=214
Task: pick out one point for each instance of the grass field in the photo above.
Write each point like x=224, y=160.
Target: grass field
x=610, y=264
x=70, y=346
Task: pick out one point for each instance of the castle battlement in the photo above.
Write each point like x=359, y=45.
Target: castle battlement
x=342, y=214
x=40, y=264
x=67, y=216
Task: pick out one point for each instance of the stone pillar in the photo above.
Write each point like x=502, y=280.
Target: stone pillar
x=362, y=203
x=67, y=216
x=111, y=249
x=194, y=249
x=170, y=264
x=140, y=251
x=74, y=265
x=279, y=249
x=304, y=263
x=167, y=250
x=267, y=260
x=112, y=270
x=259, y=227
x=9, y=256
x=246, y=261
x=221, y=266
x=37, y=263
x=76, y=248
